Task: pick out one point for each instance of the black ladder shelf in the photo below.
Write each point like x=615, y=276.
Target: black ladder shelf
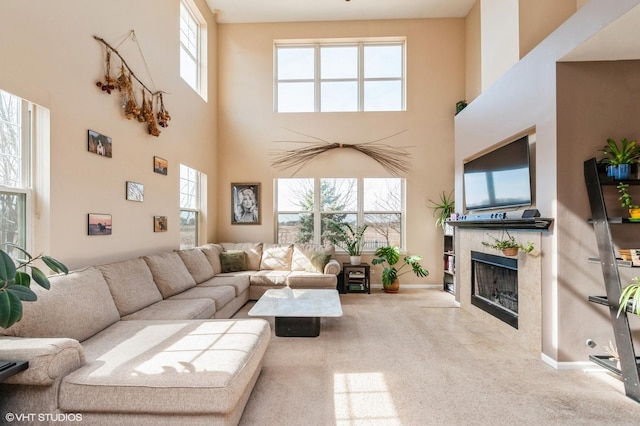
x=622, y=333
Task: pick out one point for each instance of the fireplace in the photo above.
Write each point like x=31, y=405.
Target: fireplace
x=494, y=286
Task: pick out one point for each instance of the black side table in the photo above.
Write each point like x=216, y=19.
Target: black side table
x=9, y=368
x=355, y=278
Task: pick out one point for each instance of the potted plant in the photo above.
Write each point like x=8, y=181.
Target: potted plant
x=619, y=158
x=443, y=208
x=349, y=239
x=630, y=293
x=626, y=201
x=15, y=282
x=389, y=257
x=509, y=246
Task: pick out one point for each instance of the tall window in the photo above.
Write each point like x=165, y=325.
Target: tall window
x=190, y=202
x=192, y=47
x=330, y=77
x=307, y=207
x=15, y=173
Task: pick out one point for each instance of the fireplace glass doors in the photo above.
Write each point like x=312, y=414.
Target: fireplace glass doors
x=494, y=286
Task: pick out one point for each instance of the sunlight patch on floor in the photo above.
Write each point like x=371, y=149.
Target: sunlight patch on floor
x=363, y=398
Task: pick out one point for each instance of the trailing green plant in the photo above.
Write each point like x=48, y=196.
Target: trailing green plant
x=625, y=198
x=630, y=293
x=628, y=152
x=15, y=281
x=349, y=238
x=443, y=208
x=389, y=256
x=507, y=243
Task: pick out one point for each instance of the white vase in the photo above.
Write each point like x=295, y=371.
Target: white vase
x=355, y=260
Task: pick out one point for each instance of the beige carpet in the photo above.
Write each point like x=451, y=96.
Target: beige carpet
x=414, y=359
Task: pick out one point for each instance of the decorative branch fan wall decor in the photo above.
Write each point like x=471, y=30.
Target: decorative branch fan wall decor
x=151, y=106
x=394, y=159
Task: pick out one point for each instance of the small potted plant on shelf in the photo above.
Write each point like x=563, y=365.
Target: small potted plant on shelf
x=509, y=246
x=630, y=293
x=15, y=283
x=619, y=158
x=350, y=239
x=443, y=208
x=626, y=201
x=389, y=256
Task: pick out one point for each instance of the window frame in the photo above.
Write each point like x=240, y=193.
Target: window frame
x=360, y=211
x=197, y=210
x=24, y=187
x=317, y=80
x=199, y=57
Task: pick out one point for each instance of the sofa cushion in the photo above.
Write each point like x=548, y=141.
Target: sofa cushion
x=171, y=309
x=212, y=252
x=317, y=262
x=131, y=285
x=197, y=264
x=240, y=283
x=253, y=251
x=169, y=273
x=190, y=366
x=276, y=257
x=303, y=254
x=301, y=279
x=268, y=277
x=233, y=261
x=77, y=306
x=221, y=295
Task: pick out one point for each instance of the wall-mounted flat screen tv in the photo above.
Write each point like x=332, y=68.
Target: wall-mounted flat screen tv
x=500, y=178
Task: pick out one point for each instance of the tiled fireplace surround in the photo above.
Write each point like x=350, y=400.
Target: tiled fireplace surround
x=528, y=333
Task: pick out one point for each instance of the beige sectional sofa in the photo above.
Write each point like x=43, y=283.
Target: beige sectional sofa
x=149, y=340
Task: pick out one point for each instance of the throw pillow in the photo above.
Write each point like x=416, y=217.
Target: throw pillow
x=233, y=261
x=317, y=262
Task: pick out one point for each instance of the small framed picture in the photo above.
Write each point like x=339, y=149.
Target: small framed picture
x=99, y=144
x=160, y=165
x=99, y=224
x=159, y=224
x=245, y=204
x=135, y=191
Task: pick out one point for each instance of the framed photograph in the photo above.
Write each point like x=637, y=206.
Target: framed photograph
x=135, y=191
x=245, y=204
x=160, y=165
x=99, y=144
x=99, y=224
x=159, y=224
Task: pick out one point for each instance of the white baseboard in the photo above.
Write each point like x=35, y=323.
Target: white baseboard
x=429, y=286
x=577, y=365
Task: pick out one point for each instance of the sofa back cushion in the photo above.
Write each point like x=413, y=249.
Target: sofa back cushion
x=197, y=264
x=169, y=273
x=276, y=257
x=311, y=257
x=131, y=285
x=77, y=306
x=212, y=252
x=253, y=251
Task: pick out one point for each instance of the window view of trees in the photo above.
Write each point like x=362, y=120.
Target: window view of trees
x=14, y=157
x=306, y=208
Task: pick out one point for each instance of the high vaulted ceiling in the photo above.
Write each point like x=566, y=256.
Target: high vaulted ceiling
x=251, y=11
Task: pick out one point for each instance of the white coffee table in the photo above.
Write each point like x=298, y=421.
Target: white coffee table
x=297, y=312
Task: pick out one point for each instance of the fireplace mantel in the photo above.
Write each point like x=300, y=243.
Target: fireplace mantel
x=532, y=223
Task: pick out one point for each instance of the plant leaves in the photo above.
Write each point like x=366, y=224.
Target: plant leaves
x=22, y=293
x=10, y=309
x=54, y=264
x=40, y=277
x=23, y=279
x=7, y=268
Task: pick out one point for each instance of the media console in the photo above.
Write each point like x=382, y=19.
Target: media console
x=527, y=219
